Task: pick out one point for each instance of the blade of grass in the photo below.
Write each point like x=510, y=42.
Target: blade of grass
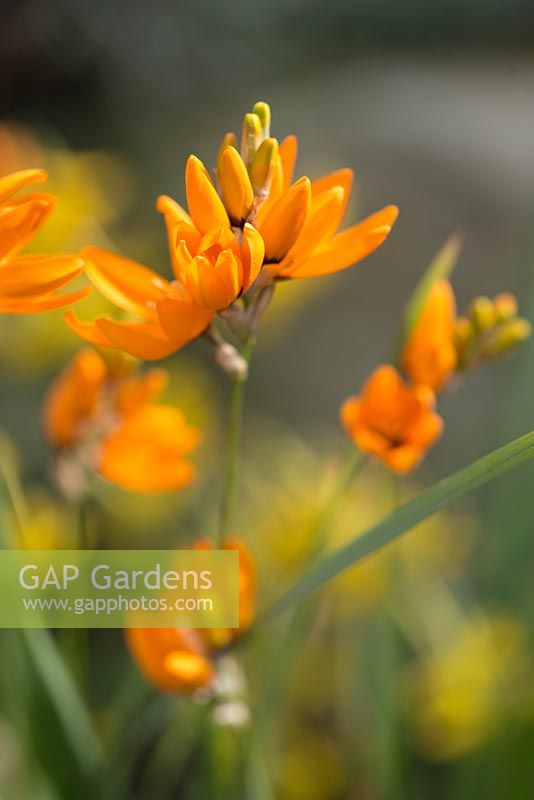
x=45, y=659
x=405, y=517
x=65, y=699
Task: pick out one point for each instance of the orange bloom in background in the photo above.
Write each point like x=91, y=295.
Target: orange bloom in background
x=429, y=356
x=106, y=416
x=392, y=421
x=183, y=660
x=28, y=283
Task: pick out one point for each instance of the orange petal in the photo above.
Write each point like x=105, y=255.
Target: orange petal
x=44, y=304
x=137, y=391
x=211, y=286
x=324, y=219
x=152, y=647
x=346, y=248
x=235, y=186
x=10, y=184
x=146, y=451
x=73, y=396
x=88, y=331
x=190, y=669
x=139, y=339
x=403, y=459
x=341, y=177
x=288, y=156
x=252, y=254
x=174, y=215
x=20, y=221
x=285, y=220
x=426, y=430
x=181, y=320
x=129, y=285
x=33, y=276
x=205, y=205
x=172, y=211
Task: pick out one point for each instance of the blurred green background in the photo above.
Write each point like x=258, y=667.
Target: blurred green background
x=431, y=105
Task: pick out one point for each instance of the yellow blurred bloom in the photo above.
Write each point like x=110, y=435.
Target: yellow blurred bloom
x=460, y=693
x=182, y=660
x=104, y=414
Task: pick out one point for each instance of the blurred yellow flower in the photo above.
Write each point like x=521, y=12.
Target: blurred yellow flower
x=461, y=693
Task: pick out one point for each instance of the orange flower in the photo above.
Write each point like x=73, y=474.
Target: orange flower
x=177, y=659
x=139, y=291
x=300, y=222
x=393, y=421
x=429, y=356
x=108, y=418
x=253, y=220
x=212, y=268
x=28, y=283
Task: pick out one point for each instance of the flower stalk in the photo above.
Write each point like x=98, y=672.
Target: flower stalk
x=226, y=519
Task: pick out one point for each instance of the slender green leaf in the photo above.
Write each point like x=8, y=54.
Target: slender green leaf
x=65, y=698
x=440, y=268
x=407, y=516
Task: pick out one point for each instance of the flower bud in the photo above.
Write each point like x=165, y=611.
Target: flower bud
x=236, y=188
x=250, y=137
x=482, y=314
x=262, y=168
x=505, y=306
x=463, y=338
x=507, y=336
x=263, y=112
x=228, y=140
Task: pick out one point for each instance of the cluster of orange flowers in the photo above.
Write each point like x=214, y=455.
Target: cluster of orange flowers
x=397, y=422
x=246, y=228
x=101, y=416
x=257, y=229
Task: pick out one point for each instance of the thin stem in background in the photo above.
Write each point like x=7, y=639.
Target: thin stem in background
x=234, y=435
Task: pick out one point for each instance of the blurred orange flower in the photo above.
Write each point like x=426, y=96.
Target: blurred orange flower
x=106, y=416
x=392, y=421
x=28, y=283
x=429, y=356
x=182, y=660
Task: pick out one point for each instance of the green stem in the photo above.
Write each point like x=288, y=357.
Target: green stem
x=234, y=435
